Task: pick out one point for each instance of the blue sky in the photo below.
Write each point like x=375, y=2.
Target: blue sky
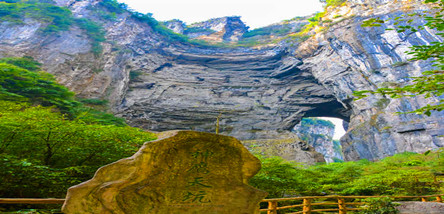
x=255, y=13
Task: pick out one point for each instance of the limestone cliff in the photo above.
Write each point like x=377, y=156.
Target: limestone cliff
x=319, y=134
x=225, y=29
x=286, y=145
x=348, y=57
x=159, y=83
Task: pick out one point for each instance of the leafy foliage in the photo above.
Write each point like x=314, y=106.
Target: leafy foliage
x=309, y=121
x=383, y=205
x=43, y=150
x=114, y=6
x=94, y=32
x=22, y=178
x=270, y=30
x=431, y=83
x=333, y=3
x=36, y=86
x=50, y=139
x=26, y=62
x=189, y=30
x=57, y=19
x=402, y=174
x=279, y=177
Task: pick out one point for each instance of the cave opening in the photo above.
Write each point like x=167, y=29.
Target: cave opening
x=323, y=133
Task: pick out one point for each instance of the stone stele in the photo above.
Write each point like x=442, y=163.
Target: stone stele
x=187, y=172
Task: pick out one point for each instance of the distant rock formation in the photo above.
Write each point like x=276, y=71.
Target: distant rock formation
x=177, y=26
x=225, y=29
x=319, y=134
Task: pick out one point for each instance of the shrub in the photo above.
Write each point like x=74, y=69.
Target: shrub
x=38, y=87
x=57, y=19
x=134, y=75
x=190, y=30
x=383, y=205
x=309, y=121
x=95, y=33
x=401, y=174
x=333, y=3
x=93, y=101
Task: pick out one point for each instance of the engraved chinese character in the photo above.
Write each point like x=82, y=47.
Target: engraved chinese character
x=203, y=155
x=196, y=197
x=201, y=167
x=198, y=182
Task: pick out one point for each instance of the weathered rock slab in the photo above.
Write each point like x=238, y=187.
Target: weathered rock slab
x=415, y=207
x=188, y=172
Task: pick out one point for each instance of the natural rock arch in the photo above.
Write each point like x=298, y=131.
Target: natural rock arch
x=254, y=90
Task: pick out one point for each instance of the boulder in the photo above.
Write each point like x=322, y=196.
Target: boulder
x=186, y=172
x=415, y=207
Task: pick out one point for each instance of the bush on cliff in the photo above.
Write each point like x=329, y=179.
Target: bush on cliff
x=48, y=140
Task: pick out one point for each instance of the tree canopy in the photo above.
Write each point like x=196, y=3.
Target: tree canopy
x=402, y=174
x=49, y=139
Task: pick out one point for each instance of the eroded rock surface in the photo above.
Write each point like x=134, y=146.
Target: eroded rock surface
x=415, y=207
x=187, y=172
x=286, y=145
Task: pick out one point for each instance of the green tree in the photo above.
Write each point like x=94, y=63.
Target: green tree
x=49, y=138
x=21, y=79
x=36, y=86
x=280, y=178
x=42, y=153
x=22, y=178
x=431, y=83
x=401, y=174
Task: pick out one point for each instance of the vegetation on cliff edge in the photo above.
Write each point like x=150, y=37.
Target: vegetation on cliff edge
x=431, y=83
x=55, y=19
x=49, y=141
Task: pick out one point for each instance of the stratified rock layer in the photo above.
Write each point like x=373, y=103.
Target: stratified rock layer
x=187, y=172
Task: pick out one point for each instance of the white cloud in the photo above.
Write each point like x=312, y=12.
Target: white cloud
x=255, y=13
x=339, y=129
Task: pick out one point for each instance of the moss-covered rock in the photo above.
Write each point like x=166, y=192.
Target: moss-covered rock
x=186, y=172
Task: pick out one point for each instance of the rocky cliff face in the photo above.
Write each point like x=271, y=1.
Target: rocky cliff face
x=225, y=29
x=319, y=134
x=349, y=57
x=286, y=145
x=160, y=84
x=177, y=26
